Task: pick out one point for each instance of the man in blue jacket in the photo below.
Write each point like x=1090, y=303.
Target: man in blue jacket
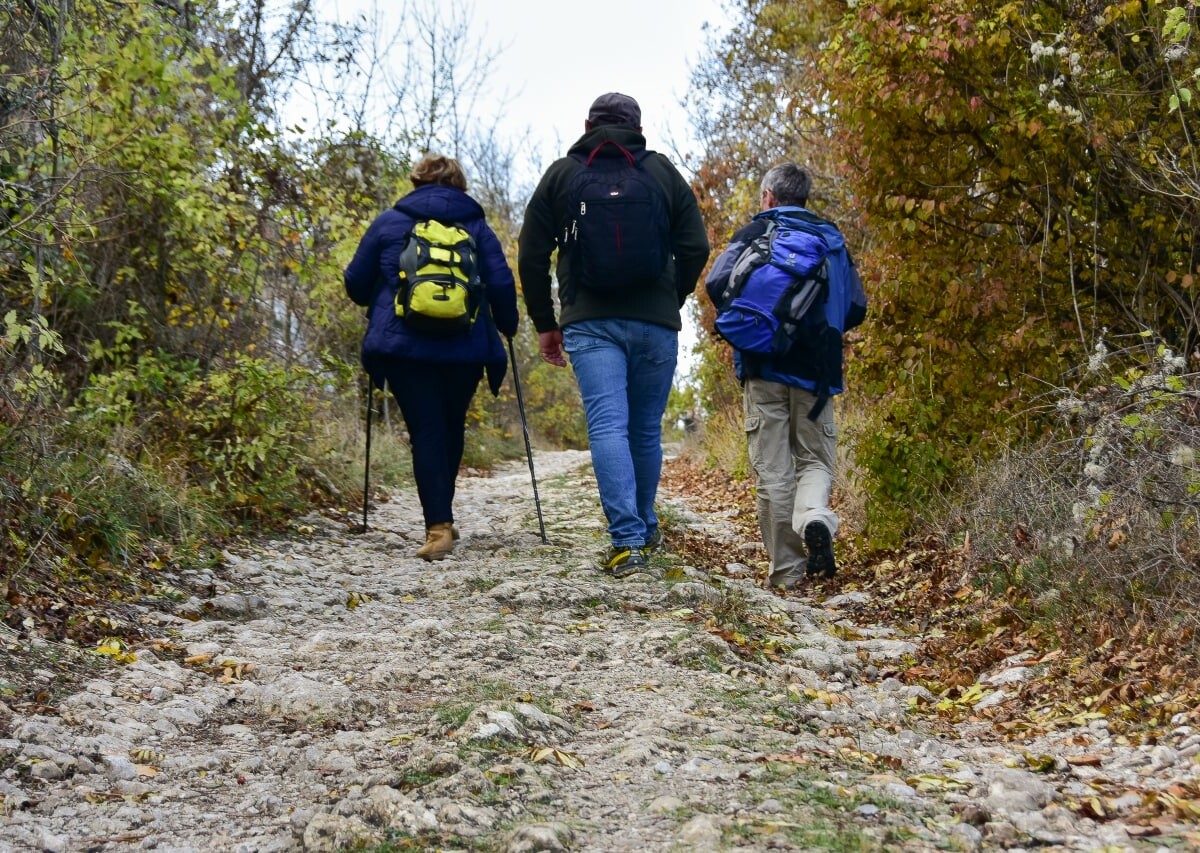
x=788, y=407
x=622, y=331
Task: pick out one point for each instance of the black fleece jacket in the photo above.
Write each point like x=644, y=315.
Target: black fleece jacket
x=547, y=212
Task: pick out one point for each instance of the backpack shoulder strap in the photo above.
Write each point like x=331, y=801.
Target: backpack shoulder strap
x=755, y=253
x=408, y=255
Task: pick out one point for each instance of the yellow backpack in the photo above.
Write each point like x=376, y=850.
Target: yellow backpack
x=439, y=289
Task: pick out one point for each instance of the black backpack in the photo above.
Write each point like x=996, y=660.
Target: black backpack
x=617, y=229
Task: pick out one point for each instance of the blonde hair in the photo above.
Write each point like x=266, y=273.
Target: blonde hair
x=436, y=169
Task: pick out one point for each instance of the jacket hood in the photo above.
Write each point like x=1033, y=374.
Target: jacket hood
x=623, y=135
x=833, y=237
x=445, y=204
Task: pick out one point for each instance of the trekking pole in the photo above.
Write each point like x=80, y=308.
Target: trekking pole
x=367, y=463
x=512, y=356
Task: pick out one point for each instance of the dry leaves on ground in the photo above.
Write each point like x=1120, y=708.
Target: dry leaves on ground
x=929, y=591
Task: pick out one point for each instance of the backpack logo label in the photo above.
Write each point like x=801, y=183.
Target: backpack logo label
x=439, y=290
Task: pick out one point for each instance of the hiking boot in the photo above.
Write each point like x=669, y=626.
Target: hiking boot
x=439, y=541
x=820, y=550
x=634, y=563
x=654, y=542
x=624, y=560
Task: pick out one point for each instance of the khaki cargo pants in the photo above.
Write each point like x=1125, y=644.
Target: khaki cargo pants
x=793, y=460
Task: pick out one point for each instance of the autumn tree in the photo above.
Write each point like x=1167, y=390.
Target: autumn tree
x=1022, y=177
x=1021, y=162
x=751, y=108
x=175, y=333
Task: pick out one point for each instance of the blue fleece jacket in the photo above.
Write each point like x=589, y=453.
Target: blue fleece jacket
x=372, y=276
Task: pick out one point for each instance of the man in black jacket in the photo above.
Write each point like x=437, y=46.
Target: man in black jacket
x=621, y=326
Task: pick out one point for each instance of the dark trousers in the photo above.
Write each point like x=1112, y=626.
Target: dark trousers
x=434, y=398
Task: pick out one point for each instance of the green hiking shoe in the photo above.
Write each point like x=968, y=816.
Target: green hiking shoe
x=624, y=560
x=654, y=542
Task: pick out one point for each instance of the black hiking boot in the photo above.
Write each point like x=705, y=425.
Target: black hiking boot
x=820, y=551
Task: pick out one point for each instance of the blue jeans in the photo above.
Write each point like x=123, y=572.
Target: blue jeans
x=624, y=369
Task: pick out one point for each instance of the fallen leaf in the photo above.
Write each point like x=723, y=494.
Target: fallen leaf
x=788, y=757
x=539, y=754
x=1094, y=807
x=926, y=782
x=1040, y=763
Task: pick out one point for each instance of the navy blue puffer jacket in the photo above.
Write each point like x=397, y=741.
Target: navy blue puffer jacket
x=372, y=277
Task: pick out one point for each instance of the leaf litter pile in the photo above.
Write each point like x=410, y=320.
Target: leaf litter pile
x=1141, y=685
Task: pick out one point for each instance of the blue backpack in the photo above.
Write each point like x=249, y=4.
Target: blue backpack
x=775, y=281
x=617, y=228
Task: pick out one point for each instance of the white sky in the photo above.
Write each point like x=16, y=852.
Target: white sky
x=553, y=57
x=558, y=55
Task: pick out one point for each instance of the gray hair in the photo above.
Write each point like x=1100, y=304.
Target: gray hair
x=790, y=184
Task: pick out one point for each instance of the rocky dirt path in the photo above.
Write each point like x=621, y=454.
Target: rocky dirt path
x=332, y=692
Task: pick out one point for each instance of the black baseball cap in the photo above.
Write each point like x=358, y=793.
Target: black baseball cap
x=615, y=108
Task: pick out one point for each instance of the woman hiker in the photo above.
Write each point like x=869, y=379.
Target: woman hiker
x=433, y=374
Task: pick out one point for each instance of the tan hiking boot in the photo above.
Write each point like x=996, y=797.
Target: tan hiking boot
x=439, y=542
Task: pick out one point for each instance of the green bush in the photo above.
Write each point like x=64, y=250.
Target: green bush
x=553, y=407
x=82, y=521
x=493, y=428
x=903, y=469
x=722, y=443
x=1102, y=519
x=239, y=432
x=339, y=448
